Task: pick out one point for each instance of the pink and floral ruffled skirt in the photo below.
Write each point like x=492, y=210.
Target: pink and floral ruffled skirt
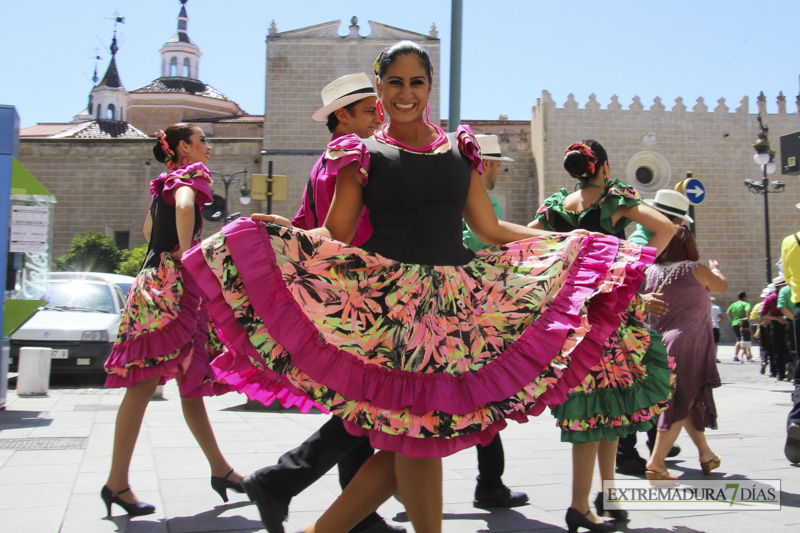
x=425, y=360
x=166, y=332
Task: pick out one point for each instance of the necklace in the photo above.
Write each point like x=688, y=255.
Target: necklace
x=440, y=139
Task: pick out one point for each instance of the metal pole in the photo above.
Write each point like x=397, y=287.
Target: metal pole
x=226, y=180
x=454, y=109
x=766, y=225
x=269, y=187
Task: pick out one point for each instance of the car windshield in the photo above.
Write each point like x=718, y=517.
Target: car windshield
x=76, y=294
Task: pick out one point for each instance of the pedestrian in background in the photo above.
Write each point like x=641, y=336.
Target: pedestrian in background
x=736, y=312
x=776, y=325
x=687, y=332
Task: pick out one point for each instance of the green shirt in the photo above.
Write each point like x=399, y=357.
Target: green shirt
x=470, y=240
x=640, y=235
x=785, y=298
x=738, y=311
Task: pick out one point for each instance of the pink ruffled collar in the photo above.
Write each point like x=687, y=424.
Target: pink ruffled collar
x=190, y=171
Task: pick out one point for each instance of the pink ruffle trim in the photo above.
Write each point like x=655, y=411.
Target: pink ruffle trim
x=196, y=175
x=182, y=334
x=469, y=147
x=234, y=366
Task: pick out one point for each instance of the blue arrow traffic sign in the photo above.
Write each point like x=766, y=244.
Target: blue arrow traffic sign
x=694, y=190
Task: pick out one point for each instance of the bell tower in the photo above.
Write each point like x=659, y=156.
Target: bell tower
x=180, y=57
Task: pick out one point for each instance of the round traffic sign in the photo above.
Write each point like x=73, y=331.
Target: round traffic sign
x=694, y=190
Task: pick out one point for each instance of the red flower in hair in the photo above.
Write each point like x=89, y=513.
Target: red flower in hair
x=169, y=154
x=587, y=152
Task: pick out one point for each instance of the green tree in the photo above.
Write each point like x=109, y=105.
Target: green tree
x=132, y=261
x=93, y=252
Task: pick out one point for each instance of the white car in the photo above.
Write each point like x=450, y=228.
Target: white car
x=79, y=322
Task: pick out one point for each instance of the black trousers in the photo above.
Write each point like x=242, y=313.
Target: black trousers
x=330, y=445
x=791, y=345
x=794, y=414
x=777, y=335
x=766, y=348
x=299, y=468
x=626, y=449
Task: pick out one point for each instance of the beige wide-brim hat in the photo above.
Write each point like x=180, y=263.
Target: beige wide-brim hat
x=341, y=92
x=671, y=203
x=490, y=148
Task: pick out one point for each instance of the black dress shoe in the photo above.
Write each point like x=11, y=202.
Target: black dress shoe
x=381, y=527
x=500, y=496
x=273, y=511
x=631, y=465
x=792, y=449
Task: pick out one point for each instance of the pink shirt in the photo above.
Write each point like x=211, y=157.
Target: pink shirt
x=323, y=186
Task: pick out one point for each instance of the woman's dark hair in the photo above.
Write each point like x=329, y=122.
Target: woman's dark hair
x=333, y=120
x=578, y=163
x=682, y=247
x=742, y=295
x=182, y=131
x=401, y=48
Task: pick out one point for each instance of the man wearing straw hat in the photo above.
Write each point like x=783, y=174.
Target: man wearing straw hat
x=490, y=491
x=349, y=107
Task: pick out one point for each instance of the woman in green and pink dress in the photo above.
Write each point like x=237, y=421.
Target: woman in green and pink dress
x=630, y=384
x=413, y=340
x=165, y=330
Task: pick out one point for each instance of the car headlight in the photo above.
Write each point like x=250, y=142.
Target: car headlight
x=95, y=336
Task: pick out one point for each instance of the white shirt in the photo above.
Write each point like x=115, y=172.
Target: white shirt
x=715, y=312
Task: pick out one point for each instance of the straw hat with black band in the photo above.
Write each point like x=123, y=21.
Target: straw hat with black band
x=342, y=92
x=671, y=203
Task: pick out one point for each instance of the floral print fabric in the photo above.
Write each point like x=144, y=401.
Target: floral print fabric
x=165, y=331
x=406, y=352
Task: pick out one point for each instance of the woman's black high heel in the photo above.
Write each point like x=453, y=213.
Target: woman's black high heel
x=222, y=484
x=576, y=519
x=616, y=514
x=133, y=509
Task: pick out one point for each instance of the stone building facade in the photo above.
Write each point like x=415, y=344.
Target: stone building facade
x=102, y=185
x=715, y=144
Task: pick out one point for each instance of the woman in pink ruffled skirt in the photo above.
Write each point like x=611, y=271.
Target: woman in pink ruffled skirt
x=166, y=331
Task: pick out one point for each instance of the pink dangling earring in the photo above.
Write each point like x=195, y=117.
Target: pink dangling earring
x=428, y=112
x=379, y=110
x=184, y=160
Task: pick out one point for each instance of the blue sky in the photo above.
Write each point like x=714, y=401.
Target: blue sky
x=513, y=49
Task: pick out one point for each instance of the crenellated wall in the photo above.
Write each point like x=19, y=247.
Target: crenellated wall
x=714, y=144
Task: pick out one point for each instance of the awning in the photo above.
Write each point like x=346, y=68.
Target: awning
x=25, y=186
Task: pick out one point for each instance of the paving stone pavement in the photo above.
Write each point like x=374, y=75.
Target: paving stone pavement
x=55, y=452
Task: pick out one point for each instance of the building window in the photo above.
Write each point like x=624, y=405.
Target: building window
x=110, y=112
x=99, y=109
x=173, y=67
x=648, y=171
x=186, y=68
x=123, y=239
x=644, y=175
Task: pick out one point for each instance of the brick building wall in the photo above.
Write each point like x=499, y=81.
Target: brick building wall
x=714, y=143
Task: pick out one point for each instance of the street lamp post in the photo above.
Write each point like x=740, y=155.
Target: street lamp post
x=218, y=212
x=765, y=158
